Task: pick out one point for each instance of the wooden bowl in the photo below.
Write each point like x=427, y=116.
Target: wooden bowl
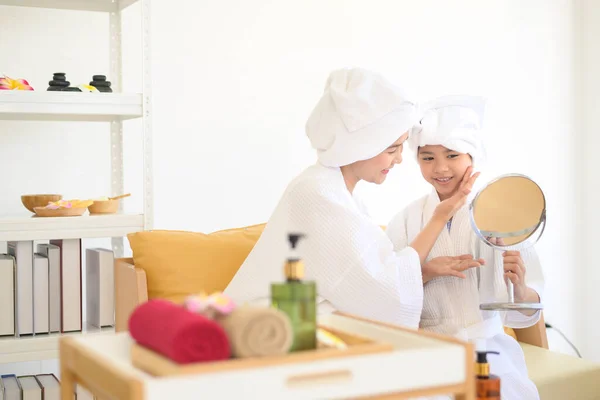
x=60, y=212
x=31, y=201
x=104, y=207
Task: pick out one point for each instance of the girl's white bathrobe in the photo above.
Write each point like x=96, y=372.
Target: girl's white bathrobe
x=349, y=256
x=451, y=304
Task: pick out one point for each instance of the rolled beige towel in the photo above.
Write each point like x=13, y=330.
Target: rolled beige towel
x=257, y=331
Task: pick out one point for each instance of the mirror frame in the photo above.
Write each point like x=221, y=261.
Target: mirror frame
x=536, y=234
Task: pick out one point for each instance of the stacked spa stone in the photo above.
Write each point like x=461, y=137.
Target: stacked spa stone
x=59, y=82
x=100, y=83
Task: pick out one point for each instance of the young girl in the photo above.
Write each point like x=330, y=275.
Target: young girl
x=447, y=142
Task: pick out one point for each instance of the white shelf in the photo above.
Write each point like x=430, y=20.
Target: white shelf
x=68, y=106
x=39, y=347
x=82, y=5
x=87, y=226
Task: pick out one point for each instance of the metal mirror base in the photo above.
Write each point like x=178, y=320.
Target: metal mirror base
x=511, y=306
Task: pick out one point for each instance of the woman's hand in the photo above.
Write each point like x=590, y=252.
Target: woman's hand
x=449, y=266
x=447, y=208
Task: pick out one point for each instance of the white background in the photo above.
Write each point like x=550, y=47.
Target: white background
x=234, y=81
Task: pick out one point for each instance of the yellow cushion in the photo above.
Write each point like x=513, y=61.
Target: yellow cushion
x=179, y=263
x=510, y=332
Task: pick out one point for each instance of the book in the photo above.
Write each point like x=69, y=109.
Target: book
x=100, y=284
x=10, y=387
x=52, y=253
x=22, y=251
x=70, y=275
x=50, y=386
x=30, y=388
x=7, y=294
x=41, y=307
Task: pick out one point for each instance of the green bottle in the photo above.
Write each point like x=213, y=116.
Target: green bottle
x=298, y=299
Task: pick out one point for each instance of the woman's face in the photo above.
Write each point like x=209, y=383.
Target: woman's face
x=443, y=168
x=375, y=169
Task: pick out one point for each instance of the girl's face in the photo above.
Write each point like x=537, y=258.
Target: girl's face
x=443, y=168
x=375, y=169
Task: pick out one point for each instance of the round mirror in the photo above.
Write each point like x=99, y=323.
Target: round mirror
x=509, y=213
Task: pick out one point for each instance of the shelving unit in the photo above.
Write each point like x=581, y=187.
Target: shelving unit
x=116, y=107
x=39, y=347
x=86, y=226
x=69, y=106
x=82, y=5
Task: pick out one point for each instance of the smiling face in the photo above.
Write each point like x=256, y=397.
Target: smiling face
x=374, y=169
x=443, y=168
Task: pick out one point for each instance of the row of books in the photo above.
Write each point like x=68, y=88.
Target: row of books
x=41, y=287
x=36, y=387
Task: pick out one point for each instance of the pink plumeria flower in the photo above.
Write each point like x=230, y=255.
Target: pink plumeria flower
x=216, y=303
x=7, y=83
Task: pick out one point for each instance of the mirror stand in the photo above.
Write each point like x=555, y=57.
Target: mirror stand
x=510, y=304
x=509, y=213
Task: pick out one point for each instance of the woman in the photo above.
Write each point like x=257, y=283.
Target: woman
x=447, y=143
x=358, y=129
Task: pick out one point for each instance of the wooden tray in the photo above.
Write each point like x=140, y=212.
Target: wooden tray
x=158, y=365
x=59, y=212
x=421, y=364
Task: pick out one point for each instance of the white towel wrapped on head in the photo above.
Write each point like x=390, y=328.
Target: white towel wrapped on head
x=454, y=122
x=359, y=115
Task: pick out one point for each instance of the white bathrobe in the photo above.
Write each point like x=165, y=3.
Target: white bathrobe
x=451, y=304
x=349, y=256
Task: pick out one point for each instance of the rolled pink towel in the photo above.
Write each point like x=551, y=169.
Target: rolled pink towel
x=179, y=334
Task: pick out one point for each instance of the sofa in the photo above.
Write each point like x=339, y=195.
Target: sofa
x=175, y=264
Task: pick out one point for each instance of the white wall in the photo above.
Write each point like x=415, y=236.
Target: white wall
x=235, y=81
x=589, y=57
x=233, y=136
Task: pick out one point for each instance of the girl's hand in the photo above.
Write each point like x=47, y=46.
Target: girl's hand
x=514, y=269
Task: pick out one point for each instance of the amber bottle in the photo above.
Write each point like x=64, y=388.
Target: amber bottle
x=487, y=385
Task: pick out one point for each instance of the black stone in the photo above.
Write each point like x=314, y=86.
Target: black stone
x=100, y=84
x=71, y=89
x=59, y=83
